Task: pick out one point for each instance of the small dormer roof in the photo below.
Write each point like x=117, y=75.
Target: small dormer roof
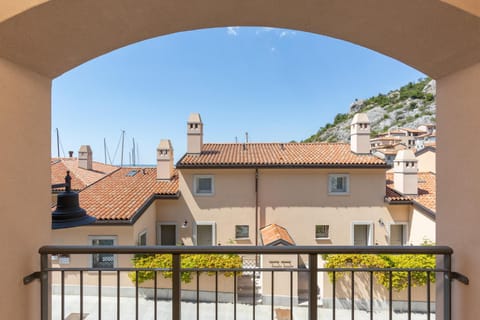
x=360, y=118
x=405, y=155
x=194, y=118
x=165, y=144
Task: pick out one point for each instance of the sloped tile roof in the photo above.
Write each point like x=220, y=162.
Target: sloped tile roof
x=274, y=234
x=426, y=191
x=81, y=178
x=278, y=155
x=122, y=195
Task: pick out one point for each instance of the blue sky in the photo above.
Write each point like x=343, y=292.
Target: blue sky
x=278, y=85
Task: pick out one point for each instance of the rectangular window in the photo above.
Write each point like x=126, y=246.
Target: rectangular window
x=167, y=234
x=203, y=185
x=321, y=231
x=142, y=238
x=398, y=234
x=338, y=183
x=241, y=232
x=103, y=260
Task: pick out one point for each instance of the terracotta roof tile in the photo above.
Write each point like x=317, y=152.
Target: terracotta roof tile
x=278, y=155
x=426, y=191
x=122, y=194
x=274, y=234
x=81, y=178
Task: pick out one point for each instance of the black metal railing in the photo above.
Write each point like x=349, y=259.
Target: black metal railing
x=310, y=272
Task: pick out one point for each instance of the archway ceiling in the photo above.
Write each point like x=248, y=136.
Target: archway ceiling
x=58, y=35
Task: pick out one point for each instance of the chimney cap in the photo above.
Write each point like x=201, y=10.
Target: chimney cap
x=405, y=155
x=165, y=144
x=194, y=118
x=85, y=148
x=360, y=118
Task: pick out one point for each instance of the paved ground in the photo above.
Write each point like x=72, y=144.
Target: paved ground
x=207, y=310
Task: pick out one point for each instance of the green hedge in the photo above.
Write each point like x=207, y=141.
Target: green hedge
x=399, y=278
x=188, y=261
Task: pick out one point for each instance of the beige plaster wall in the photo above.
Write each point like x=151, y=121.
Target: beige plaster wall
x=422, y=228
x=427, y=162
x=24, y=185
x=80, y=236
x=146, y=223
x=458, y=101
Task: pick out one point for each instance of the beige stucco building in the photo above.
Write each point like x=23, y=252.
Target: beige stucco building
x=232, y=193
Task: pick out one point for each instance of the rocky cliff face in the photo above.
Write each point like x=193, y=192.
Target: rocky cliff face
x=407, y=107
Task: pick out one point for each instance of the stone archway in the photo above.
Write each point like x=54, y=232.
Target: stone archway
x=41, y=39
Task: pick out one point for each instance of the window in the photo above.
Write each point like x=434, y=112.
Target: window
x=203, y=185
x=362, y=234
x=321, y=231
x=398, y=234
x=167, y=234
x=338, y=183
x=241, y=232
x=103, y=260
x=142, y=238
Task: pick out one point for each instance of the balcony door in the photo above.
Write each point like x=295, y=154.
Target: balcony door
x=362, y=234
x=205, y=234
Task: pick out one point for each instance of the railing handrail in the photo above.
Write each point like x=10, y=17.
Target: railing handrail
x=64, y=249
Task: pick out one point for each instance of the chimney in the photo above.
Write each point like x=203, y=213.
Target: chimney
x=405, y=172
x=360, y=134
x=85, y=157
x=194, y=134
x=164, y=160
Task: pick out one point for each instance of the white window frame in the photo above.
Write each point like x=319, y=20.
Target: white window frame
x=139, y=236
x=328, y=232
x=405, y=232
x=159, y=231
x=90, y=242
x=214, y=231
x=339, y=175
x=370, y=231
x=248, y=232
x=195, y=184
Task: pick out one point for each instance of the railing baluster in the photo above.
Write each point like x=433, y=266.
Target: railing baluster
x=390, y=296
x=254, y=293
x=216, y=295
x=371, y=295
x=136, y=294
x=235, y=295
x=81, y=294
x=313, y=286
x=428, y=295
x=352, y=293
x=118, y=294
x=63, y=294
x=291, y=294
x=334, y=297
x=99, y=294
x=272, y=295
x=155, y=295
x=176, y=287
x=409, y=294
x=198, y=295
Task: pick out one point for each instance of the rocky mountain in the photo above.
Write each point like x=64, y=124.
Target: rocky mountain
x=407, y=107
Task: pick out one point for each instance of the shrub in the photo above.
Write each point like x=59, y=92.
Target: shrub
x=188, y=261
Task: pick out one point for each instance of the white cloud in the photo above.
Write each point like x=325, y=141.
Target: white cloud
x=233, y=31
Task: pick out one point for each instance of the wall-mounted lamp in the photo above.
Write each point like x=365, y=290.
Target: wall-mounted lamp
x=380, y=222
x=185, y=224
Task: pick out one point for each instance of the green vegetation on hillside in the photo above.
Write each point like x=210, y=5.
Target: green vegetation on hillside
x=392, y=101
